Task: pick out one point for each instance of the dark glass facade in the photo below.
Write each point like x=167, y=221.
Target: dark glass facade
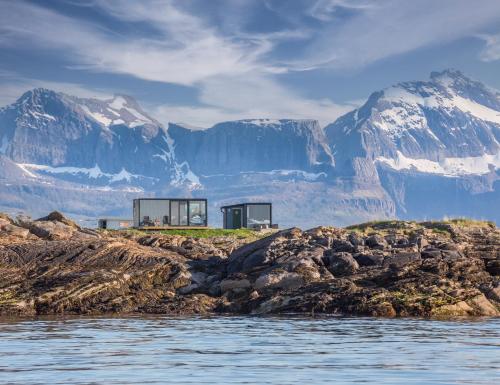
x=247, y=215
x=159, y=212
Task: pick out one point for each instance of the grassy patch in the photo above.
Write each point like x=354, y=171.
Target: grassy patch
x=200, y=233
x=380, y=226
x=441, y=227
x=211, y=233
x=464, y=222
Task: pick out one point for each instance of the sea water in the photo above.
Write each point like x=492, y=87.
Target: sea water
x=243, y=350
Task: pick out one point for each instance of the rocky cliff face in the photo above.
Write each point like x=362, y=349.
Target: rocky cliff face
x=253, y=146
x=438, y=138
x=438, y=269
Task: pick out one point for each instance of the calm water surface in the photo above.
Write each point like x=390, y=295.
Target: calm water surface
x=223, y=350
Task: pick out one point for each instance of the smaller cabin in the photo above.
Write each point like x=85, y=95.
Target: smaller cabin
x=114, y=223
x=248, y=215
x=170, y=212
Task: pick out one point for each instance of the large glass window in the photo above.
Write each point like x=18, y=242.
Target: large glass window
x=258, y=215
x=174, y=213
x=153, y=212
x=183, y=213
x=197, y=213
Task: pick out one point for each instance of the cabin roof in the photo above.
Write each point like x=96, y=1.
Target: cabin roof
x=246, y=204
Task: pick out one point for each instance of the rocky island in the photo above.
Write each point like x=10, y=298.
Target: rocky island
x=390, y=268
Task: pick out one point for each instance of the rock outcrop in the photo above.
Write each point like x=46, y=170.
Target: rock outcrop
x=442, y=269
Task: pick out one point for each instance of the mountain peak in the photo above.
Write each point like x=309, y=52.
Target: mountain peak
x=448, y=73
x=120, y=101
x=36, y=94
x=456, y=80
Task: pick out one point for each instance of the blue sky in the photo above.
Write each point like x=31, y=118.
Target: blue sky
x=205, y=61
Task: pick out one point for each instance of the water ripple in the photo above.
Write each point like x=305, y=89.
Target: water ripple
x=244, y=350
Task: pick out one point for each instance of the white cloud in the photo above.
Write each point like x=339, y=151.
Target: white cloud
x=235, y=70
x=233, y=79
x=394, y=27
x=183, y=52
x=491, y=51
x=325, y=10
x=252, y=96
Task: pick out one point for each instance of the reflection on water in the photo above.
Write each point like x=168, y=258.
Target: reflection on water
x=241, y=350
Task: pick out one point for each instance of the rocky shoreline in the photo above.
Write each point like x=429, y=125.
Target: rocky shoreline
x=390, y=269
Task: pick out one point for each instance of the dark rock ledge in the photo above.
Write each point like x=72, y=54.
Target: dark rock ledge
x=433, y=269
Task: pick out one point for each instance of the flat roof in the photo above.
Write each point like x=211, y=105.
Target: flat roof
x=246, y=204
x=170, y=199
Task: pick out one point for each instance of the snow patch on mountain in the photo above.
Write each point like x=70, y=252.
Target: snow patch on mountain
x=262, y=122
x=91, y=173
x=118, y=110
x=182, y=172
x=450, y=167
x=308, y=176
x=410, y=101
x=100, y=118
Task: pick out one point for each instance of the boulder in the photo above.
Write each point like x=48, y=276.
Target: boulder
x=493, y=267
x=451, y=254
x=356, y=239
x=232, y=284
x=56, y=216
x=483, y=307
x=431, y=252
x=340, y=245
x=494, y=293
x=15, y=231
x=253, y=254
x=51, y=230
x=376, y=241
x=341, y=264
x=278, y=280
x=400, y=260
x=369, y=259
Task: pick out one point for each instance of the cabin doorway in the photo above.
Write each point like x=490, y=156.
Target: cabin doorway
x=236, y=213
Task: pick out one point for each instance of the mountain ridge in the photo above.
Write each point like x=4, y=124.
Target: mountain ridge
x=442, y=134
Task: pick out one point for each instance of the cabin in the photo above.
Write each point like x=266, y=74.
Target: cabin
x=170, y=212
x=114, y=223
x=248, y=215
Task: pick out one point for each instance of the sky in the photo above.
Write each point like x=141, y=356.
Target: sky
x=199, y=62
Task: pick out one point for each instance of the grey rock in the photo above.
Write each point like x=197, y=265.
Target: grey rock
x=341, y=264
x=281, y=280
x=369, y=259
x=356, y=239
x=231, y=284
x=340, y=245
x=401, y=260
x=376, y=241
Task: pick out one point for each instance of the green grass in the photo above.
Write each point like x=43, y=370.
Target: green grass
x=470, y=222
x=442, y=226
x=379, y=225
x=211, y=233
x=201, y=233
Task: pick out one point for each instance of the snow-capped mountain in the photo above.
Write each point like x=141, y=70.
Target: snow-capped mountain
x=429, y=126
x=87, y=140
x=421, y=149
x=439, y=137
